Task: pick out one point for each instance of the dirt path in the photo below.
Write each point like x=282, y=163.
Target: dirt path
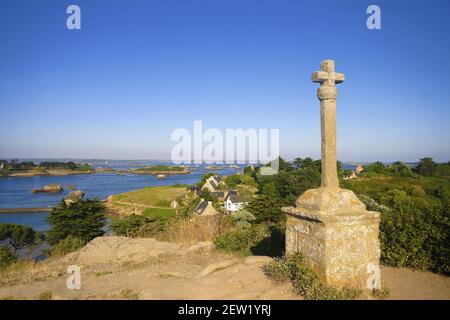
x=409, y=284
x=121, y=268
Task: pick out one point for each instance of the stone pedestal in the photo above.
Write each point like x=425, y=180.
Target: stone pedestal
x=337, y=236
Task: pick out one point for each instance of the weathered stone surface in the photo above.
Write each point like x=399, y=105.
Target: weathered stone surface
x=359, y=168
x=51, y=188
x=122, y=249
x=330, y=226
x=327, y=94
x=74, y=196
x=338, y=246
x=330, y=201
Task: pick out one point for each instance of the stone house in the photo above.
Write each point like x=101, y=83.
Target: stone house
x=212, y=183
x=205, y=208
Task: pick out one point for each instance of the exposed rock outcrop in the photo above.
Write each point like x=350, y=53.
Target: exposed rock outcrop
x=74, y=196
x=51, y=188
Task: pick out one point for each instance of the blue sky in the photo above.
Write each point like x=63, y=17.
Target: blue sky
x=137, y=70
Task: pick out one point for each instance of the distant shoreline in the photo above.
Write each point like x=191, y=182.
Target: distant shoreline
x=23, y=210
x=98, y=170
x=50, y=173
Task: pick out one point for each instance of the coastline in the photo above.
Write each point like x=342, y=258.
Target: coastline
x=50, y=173
x=136, y=171
x=24, y=210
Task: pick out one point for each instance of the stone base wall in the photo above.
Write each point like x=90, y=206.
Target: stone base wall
x=343, y=248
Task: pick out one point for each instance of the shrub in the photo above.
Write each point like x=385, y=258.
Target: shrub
x=128, y=226
x=304, y=280
x=241, y=239
x=128, y=294
x=381, y=294
x=7, y=256
x=83, y=219
x=18, y=235
x=195, y=229
x=67, y=245
x=140, y=226
x=46, y=295
x=426, y=167
x=266, y=209
x=242, y=218
x=376, y=167
x=414, y=231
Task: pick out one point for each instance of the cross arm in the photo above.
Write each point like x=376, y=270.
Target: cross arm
x=339, y=77
x=322, y=76
x=319, y=76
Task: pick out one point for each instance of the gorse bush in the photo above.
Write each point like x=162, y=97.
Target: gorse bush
x=140, y=226
x=7, y=256
x=67, y=245
x=414, y=230
x=128, y=226
x=241, y=239
x=195, y=229
x=242, y=218
x=304, y=280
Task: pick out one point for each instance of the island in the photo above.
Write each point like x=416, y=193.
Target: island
x=214, y=168
x=14, y=168
x=158, y=170
x=162, y=170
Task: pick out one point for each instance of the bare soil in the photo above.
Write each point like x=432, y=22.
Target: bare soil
x=123, y=268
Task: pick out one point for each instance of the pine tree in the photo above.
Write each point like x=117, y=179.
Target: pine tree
x=83, y=219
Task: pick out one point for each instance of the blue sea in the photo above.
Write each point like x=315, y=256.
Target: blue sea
x=16, y=192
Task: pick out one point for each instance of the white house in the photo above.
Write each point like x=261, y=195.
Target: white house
x=234, y=202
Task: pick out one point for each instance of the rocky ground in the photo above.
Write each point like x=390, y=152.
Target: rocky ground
x=124, y=268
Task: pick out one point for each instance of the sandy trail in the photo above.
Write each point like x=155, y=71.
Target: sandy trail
x=121, y=268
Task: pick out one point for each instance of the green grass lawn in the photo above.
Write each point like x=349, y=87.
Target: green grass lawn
x=159, y=213
x=159, y=197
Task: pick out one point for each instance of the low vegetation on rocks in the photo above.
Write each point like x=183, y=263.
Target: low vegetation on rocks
x=304, y=280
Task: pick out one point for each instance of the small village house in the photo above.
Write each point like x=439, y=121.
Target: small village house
x=234, y=202
x=205, y=208
x=212, y=183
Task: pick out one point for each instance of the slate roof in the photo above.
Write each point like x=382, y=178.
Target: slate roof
x=219, y=194
x=235, y=197
x=201, y=207
x=214, y=183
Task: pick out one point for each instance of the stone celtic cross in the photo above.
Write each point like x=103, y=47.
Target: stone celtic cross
x=329, y=225
x=327, y=94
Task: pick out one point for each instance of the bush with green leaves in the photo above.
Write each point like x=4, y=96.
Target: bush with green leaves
x=7, y=256
x=241, y=239
x=140, y=226
x=83, y=219
x=129, y=226
x=266, y=209
x=18, y=236
x=414, y=230
x=242, y=218
x=305, y=280
x=67, y=245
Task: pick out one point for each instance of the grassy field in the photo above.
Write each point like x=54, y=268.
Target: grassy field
x=158, y=197
x=159, y=212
